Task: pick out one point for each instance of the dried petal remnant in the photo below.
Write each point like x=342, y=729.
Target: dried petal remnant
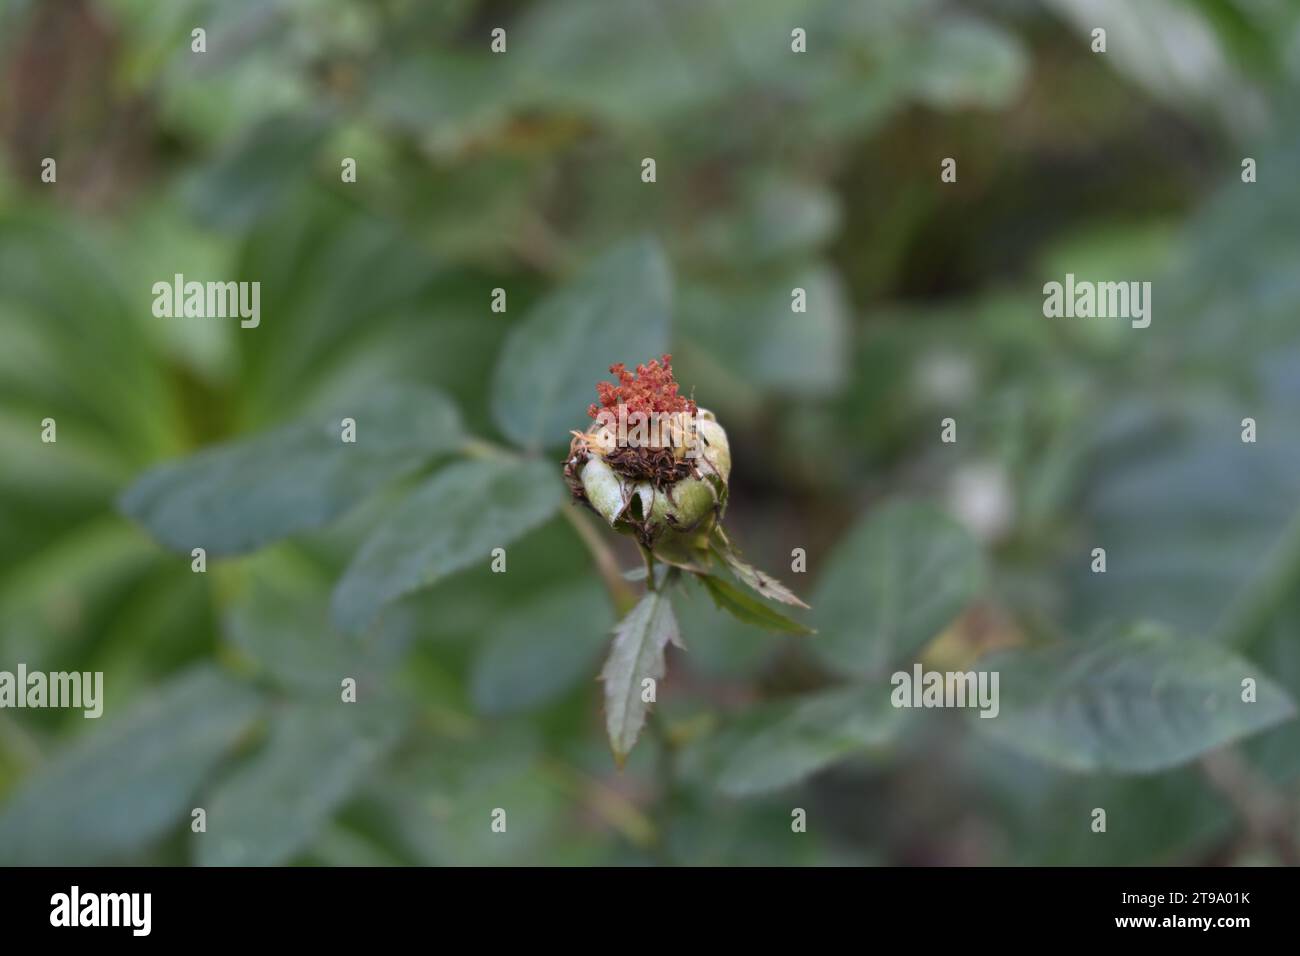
x=656, y=465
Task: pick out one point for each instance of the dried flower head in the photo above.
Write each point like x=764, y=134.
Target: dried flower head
x=667, y=489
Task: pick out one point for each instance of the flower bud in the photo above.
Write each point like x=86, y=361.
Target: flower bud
x=684, y=508
x=667, y=487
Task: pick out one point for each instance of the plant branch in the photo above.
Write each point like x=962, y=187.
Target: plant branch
x=666, y=773
x=648, y=557
x=1264, y=811
x=620, y=592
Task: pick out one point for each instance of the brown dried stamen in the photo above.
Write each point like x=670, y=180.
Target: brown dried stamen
x=659, y=466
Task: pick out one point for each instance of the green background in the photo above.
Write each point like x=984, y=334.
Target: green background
x=774, y=170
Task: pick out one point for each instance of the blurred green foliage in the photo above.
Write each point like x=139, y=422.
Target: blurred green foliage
x=521, y=171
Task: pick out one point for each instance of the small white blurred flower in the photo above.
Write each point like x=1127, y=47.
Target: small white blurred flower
x=980, y=496
x=944, y=378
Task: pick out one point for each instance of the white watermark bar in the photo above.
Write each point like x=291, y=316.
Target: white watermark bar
x=78, y=690
x=1098, y=300
x=208, y=300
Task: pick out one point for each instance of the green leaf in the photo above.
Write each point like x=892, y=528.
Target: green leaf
x=749, y=330
x=574, y=56
x=748, y=609
x=118, y=790
x=775, y=217
x=791, y=741
x=439, y=798
x=637, y=653
x=322, y=269
x=967, y=62
x=731, y=650
x=764, y=584
x=95, y=561
x=247, y=179
x=894, y=583
x=616, y=311
x=317, y=756
x=460, y=92
x=1274, y=647
x=1172, y=817
x=1138, y=702
x=540, y=650
x=1190, y=516
x=281, y=624
x=237, y=497
x=455, y=519
x=1215, y=87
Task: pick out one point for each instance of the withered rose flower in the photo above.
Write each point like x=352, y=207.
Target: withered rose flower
x=653, y=464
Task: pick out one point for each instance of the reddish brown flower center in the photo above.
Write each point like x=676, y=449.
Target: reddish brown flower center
x=651, y=389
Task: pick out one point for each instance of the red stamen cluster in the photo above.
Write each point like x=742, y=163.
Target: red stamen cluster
x=651, y=389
